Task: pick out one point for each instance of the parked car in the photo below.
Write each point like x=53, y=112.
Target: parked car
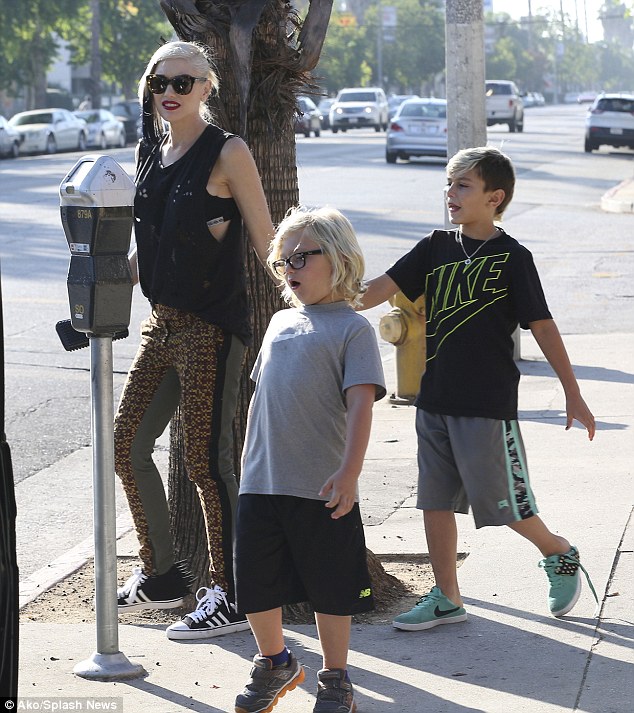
x=358, y=108
x=104, y=128
x=418, y=129
x=504, y=104
x=395, y=101
x=324, y=109
x=10, y=139
x=50, y=130
x=610, y=120
x=309, y=119
x=130, y=112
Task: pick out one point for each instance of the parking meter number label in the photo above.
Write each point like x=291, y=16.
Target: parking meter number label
x=84, y=213
x=79, y=311
x=79, y=247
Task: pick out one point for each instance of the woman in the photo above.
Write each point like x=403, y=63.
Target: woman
x=195, y=183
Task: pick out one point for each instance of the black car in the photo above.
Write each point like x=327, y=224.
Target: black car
x=130, y=113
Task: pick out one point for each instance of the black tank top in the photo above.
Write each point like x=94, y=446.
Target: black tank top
x=181, y=264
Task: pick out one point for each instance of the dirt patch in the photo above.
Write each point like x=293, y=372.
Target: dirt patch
x=71, y=600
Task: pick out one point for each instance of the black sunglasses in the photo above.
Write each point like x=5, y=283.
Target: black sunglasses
x=182, y=83
x=296, y=261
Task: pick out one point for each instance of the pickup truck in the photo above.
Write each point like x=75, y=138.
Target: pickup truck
x=504, y=104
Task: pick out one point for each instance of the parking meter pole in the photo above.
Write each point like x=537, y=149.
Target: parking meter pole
x=107, y=663
x=96, y=209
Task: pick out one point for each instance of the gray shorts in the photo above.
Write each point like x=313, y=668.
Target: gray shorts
x=473, y=462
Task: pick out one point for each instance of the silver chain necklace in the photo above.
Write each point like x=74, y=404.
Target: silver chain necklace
x=466, y=254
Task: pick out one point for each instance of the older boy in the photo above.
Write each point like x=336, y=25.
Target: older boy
x=479, y=284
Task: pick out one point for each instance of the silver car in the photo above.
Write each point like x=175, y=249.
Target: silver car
x=418, y=129
x=50, y=130
x=610, y=121
x=104, y=128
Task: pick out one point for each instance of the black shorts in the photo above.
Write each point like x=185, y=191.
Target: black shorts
x=289, y=550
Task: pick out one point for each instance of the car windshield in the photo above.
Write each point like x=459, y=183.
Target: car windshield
x=495, y=89
x=429, y=111
x=357, y=97
x=620, y=104
x=42, y=118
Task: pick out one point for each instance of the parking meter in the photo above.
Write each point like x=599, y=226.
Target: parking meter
x=96, y=203
x=96, y=208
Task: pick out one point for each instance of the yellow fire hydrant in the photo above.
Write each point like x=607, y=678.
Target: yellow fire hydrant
x=404, y=326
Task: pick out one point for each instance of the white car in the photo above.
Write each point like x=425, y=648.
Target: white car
x=50, y=130
x=358, y=108
x=10, y=139
x=504, y=104
x=610, y=120
x=104, y=128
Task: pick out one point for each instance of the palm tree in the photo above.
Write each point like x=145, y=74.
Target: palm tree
x=264, y=55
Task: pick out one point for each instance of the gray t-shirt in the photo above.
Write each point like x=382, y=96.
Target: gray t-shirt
x=296, y=429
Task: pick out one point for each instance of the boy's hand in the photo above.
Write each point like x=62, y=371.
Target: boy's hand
x=576, y=408
x=342, y=490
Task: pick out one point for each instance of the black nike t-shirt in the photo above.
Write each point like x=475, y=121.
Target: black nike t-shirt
x=472, y=311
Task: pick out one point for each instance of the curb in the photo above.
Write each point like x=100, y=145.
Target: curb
x=619, y=199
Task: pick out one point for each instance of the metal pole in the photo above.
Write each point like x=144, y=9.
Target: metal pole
x=107, y=663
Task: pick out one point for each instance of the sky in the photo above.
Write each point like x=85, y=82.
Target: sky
x=583, y=9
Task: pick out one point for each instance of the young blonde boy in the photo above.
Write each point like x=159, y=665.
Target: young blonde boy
x=299, y=535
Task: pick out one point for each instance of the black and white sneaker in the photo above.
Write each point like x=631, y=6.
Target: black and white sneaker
x=214, y=615
x=154, y=591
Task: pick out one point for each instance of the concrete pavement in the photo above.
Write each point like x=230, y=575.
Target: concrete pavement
x=510, y=655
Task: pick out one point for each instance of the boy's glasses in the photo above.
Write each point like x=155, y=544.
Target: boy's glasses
x=182, y=83
x=296, y=261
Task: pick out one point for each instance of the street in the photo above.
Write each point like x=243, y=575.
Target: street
x=585, y=257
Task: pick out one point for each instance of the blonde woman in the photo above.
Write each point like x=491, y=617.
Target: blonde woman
x=195, y=185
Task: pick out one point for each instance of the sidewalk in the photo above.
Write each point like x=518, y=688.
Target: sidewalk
x=510, y=655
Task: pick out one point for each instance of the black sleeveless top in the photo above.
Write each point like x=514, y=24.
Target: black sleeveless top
x=181, y=264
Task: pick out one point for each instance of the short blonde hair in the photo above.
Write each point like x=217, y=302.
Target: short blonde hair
x=334, y=234
x=202, y=65
x=494, y=168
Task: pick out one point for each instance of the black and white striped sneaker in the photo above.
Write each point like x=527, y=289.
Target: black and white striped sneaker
x=214, y=615
x=154, y=591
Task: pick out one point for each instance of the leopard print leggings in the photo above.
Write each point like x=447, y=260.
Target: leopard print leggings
x=182, y=361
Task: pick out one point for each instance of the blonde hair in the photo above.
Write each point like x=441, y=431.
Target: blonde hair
x=491, y=165
x=202, y=66
x=334, y=234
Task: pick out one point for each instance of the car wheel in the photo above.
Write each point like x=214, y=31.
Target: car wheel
x=512, y=125
x=334, y=131
x=81, y=141
x=122, y=140
x=520, y=125
x=15, y=149
x=588, y=146
x=317, y=132
x=377, y=127
x=103, y=144
x=51, y=144
x=306, y=133
x=390, y=157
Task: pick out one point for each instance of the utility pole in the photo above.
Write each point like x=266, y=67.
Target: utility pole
x=464, y=62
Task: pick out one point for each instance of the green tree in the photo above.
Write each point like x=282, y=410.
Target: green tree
x=28, y=44
x=342, y=59
x=131, y=30
x=502, y=63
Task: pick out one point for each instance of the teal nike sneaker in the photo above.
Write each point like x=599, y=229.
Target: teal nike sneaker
x=565, y=583
x=430, y=610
